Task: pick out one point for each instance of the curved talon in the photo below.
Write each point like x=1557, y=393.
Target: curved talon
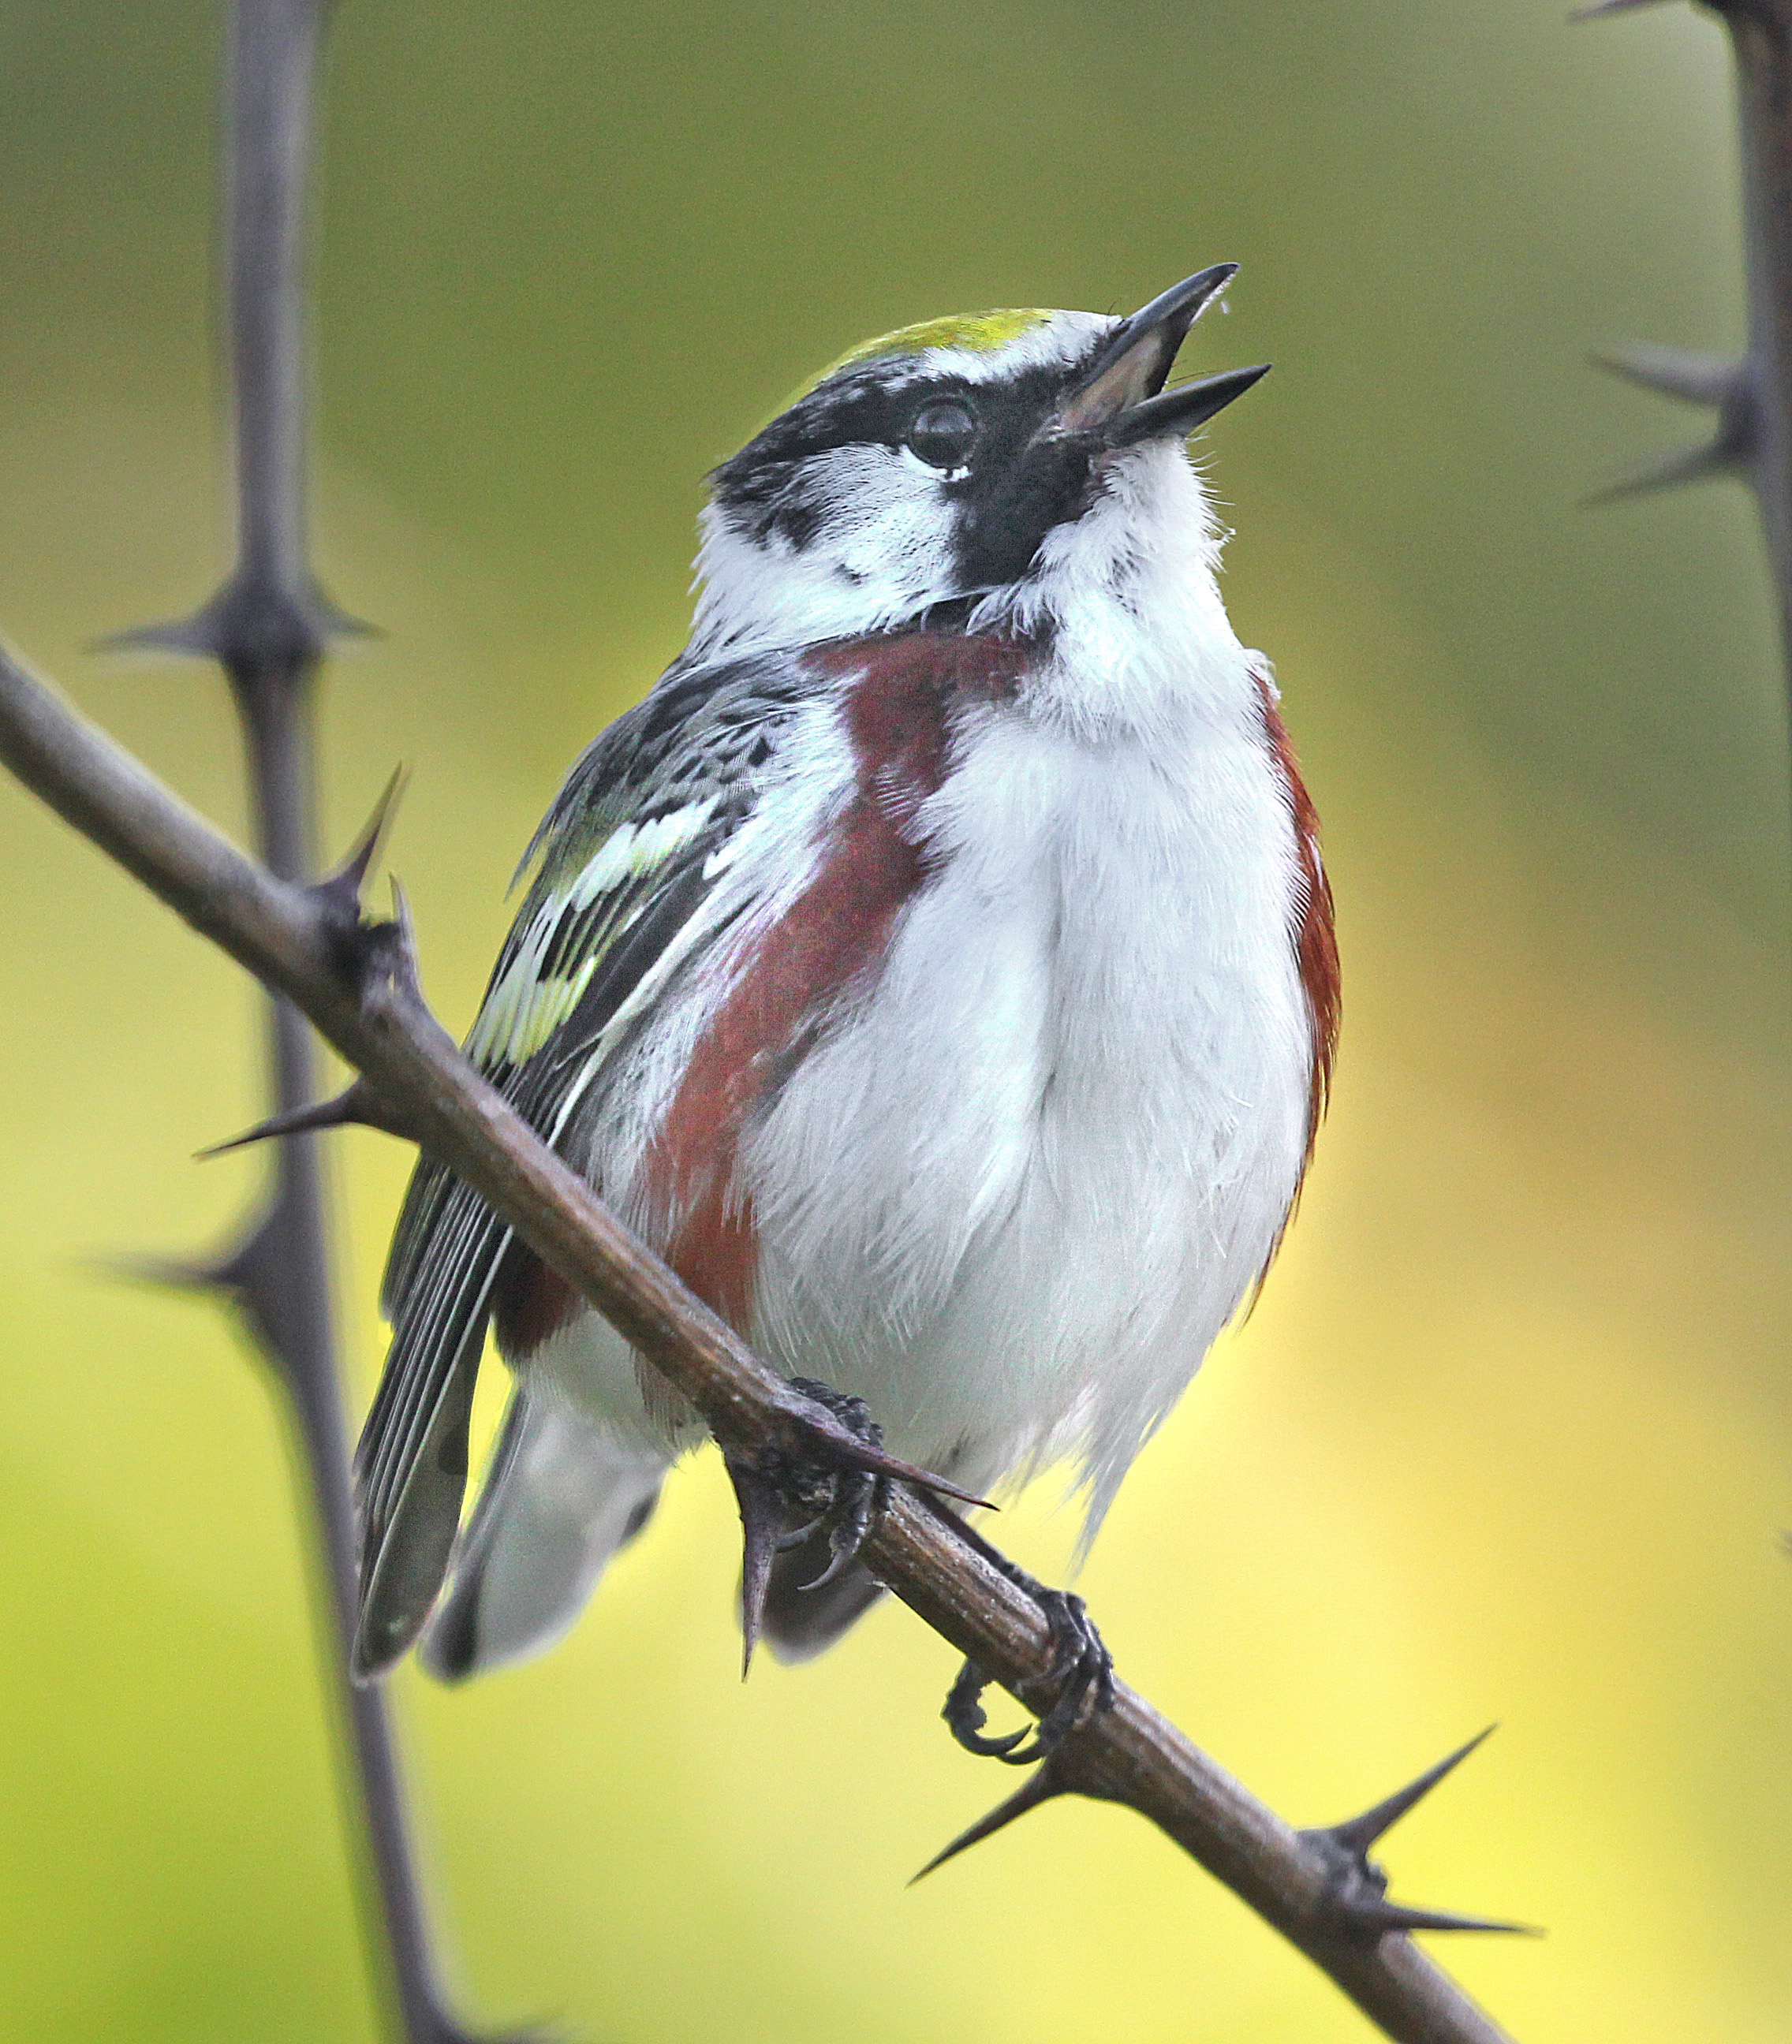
x=860, y=1498
x=1082, y=1670
x=965, y=1717
x=1084, y=1666
x=844, y=1542
x=849, y=1500
x=837, y=1561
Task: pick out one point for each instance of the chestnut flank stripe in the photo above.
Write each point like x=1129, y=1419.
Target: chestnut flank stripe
x=898, y=708
x=902, y=690
x=1316, y=944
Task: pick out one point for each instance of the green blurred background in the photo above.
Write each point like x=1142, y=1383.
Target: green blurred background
x=1507, y=1437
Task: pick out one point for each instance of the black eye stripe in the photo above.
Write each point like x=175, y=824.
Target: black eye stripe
x=864, y=410
x=1005, y=501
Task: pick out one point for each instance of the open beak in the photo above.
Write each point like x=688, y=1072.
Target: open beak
x=1121, y=398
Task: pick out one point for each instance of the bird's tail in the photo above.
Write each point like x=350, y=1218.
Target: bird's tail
x=561, y=1498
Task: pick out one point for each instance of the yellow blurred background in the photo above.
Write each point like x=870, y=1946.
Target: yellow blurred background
x=1508, y=1436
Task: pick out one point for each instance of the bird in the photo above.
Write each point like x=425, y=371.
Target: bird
x=936, y=968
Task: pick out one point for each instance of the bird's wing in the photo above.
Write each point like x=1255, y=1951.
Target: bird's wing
x=623, y=867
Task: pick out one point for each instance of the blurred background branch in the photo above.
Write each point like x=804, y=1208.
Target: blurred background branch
x=268, y=626
x=1750, y=397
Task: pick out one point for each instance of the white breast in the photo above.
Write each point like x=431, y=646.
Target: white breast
x=1012, y=1201
x=1013, y=1195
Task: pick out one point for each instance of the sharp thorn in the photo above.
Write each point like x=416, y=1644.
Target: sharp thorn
x=842, y=1447
x=402, y=916
x=1356, y=1834
x=244, y=611
x=761, y=1524
x=384, y=954
x=1354, y=1903
x=406, y=926
x=1375, y=1919
x=1723, y=8
x=447, y=2031
x=343, y=887
x=196, y=637
x=1040, y=1787
x=335, y=622
x=1719, y=458
x=1694, y=377
x=168, y=1272
x=357, y=1107
x=233, y=1270
x=391, y=948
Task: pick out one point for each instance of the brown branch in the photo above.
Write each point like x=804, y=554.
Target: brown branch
x=354, y=981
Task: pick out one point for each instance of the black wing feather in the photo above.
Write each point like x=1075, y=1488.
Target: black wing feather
x=704, y=735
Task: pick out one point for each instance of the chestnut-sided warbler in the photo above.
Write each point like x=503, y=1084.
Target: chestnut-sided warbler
x=936, y=968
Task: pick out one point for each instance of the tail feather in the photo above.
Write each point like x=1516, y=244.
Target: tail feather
x=560, y=1500
x=408, y=1544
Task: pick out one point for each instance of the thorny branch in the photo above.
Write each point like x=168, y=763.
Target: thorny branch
x=267, y=627
x=1751, y=398
x=357, y=982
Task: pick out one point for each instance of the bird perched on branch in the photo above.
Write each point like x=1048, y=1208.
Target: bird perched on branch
x=936, y=968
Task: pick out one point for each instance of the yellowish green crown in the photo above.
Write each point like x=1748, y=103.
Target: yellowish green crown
x=979, y=333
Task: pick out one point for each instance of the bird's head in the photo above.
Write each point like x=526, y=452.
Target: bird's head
x=992, y=458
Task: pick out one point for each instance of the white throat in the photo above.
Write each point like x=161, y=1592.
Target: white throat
x=1128, y=598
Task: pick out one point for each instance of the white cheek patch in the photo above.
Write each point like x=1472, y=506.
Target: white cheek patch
x=881, y=548
x=886, y=517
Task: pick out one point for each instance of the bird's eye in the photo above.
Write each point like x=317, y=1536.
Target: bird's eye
x=942, y=433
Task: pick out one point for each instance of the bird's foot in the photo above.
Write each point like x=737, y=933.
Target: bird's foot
x=1078, y=1687
x=842, y=1503
x=783, y=1503
x=1081, y=1676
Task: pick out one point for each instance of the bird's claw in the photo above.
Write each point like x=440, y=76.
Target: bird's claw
x=783, y=1503
x=1081, y=1675
x=1081, y=1679
x=845, y=1503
